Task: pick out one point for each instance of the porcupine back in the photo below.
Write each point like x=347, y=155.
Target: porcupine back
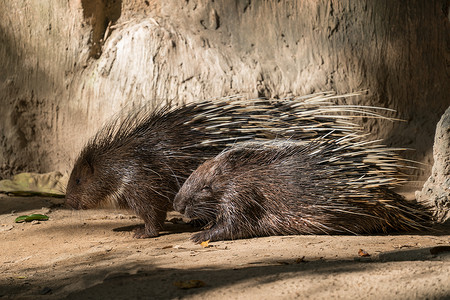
x=326, y=186
x=140, y=161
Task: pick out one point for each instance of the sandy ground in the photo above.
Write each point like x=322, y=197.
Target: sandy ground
x=93, y=255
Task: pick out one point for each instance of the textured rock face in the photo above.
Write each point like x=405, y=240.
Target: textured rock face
x=436, y=190
x=69, y=65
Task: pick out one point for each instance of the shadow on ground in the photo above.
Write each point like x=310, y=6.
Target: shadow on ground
x=131, y=281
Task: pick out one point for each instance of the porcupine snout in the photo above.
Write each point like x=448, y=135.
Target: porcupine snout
x=179, y=203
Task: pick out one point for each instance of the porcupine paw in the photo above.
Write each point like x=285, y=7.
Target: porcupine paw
x=209, y=235
x=200, y=237
x=142, y=233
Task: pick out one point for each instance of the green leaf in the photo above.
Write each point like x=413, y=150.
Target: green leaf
x=29, y=218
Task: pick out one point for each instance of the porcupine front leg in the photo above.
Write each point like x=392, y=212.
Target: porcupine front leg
x=154, y=223
x=146, y=231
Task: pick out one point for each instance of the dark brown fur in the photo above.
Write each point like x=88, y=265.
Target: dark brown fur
x=140, y=163
x=282, y=188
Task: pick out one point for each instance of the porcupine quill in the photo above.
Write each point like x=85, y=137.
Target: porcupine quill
x=140, y=161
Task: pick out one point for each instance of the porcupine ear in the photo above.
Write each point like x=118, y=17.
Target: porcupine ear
x=216, y=173
x=207, y=189
x=213, y=167
x=218, y=170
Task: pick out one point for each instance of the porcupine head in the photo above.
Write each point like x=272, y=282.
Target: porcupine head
x=198, y=197
x=202, y=197
x=93, y=182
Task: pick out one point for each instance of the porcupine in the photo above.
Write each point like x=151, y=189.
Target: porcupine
x=324, y=186
x=140, y=162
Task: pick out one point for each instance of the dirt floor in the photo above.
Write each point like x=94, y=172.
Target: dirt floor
x=93, y=255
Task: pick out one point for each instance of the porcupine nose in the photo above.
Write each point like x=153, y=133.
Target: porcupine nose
x=178, y=204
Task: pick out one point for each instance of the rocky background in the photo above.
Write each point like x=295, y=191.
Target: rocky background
x=69, y=65
x=436, y=190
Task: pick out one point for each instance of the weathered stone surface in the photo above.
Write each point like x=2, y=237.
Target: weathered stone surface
x=436, y=190
x=69, y=65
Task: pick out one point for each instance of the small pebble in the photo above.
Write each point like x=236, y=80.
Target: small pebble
x=5, y=227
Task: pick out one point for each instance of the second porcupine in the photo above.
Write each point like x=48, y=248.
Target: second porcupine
x=140, y=162
x=326, y=186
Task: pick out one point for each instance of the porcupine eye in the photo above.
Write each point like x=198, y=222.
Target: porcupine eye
x=206, y=189
x=77, y=181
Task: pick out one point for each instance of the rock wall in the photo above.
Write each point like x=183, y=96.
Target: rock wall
x=70, y=65
x=42, y=45
x=436, y=190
